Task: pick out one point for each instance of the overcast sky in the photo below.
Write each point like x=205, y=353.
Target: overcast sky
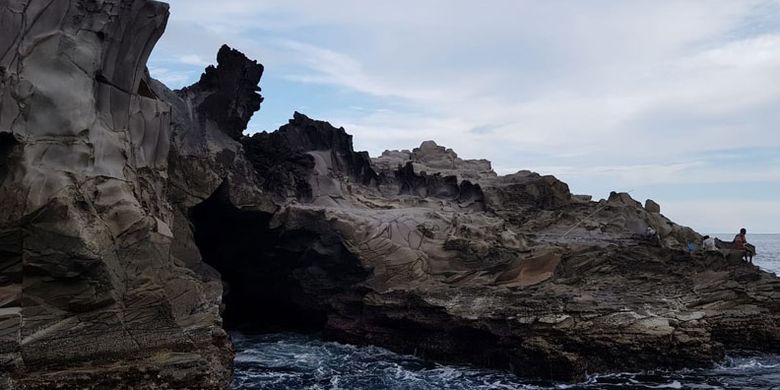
x=678, y=101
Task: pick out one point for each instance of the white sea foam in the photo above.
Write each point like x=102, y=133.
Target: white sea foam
x=671, y=385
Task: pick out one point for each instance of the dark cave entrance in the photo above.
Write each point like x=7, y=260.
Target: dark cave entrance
x=7, y=145
x=260, y=294
x=274, y=279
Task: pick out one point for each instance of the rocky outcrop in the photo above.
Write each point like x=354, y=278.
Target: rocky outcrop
x=534, y=279
x=226, y=95
x=285, y=160
x=432, y=158
x=138, y=222
x=93, y=290
x=652, y=207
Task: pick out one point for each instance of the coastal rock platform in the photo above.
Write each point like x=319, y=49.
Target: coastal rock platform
x=138, y=223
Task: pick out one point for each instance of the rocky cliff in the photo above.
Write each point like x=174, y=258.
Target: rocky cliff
x=138, y=223
x=96, y=288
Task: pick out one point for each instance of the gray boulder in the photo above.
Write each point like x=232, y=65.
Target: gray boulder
x=652, y=207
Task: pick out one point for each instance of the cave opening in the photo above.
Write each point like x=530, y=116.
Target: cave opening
x=7, y=145
x=275, y=279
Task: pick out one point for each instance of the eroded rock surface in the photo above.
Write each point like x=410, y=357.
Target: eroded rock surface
x=502, y=271
x=135, y=218
x=94, y=291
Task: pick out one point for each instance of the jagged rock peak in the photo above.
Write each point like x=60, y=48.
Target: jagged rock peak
x=433, y=158
x=306, y=134
x=234, y=80
x=431, y=147
x=294, y=150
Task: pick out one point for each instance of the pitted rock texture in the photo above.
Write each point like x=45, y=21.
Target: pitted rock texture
x=132, y=215
x=92, y=292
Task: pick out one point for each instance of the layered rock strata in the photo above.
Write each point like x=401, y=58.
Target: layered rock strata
x=138, y=222
x=508, y=271
x=96, y=287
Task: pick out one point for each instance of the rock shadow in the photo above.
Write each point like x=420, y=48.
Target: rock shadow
x=275, y=278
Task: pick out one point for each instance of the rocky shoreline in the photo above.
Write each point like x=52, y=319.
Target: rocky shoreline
x=138, y=223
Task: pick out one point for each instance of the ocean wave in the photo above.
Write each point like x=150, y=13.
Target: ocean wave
x=291, y=361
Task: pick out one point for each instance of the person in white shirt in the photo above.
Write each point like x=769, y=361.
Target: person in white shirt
x=709, y=243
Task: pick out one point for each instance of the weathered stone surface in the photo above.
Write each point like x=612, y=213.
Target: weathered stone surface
x=652, y=207
x=285, y=160
x=432, y=158
x=521, y=274
x=91, y=291
x=129, y=209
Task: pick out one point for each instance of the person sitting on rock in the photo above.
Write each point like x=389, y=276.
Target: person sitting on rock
x=708, y=244
x=741, y=244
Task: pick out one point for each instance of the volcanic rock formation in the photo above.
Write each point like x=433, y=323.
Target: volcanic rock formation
x=137, y=223
x=96, y=288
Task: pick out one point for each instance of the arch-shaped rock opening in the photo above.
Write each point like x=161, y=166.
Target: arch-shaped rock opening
x=275, y=279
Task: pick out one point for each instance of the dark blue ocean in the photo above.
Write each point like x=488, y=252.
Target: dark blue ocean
x=292, y=361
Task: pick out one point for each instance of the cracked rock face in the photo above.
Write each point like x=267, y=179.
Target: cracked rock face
x=88, y=278
x=135, y=218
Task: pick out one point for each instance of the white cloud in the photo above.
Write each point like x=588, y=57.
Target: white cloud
x=193, y=59
x=170, y=77
x=727, y=215
x=694, y=172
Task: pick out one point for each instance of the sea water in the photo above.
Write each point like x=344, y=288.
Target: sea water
x=293, y=361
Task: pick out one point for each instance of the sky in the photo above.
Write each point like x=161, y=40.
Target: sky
x=677, y=101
